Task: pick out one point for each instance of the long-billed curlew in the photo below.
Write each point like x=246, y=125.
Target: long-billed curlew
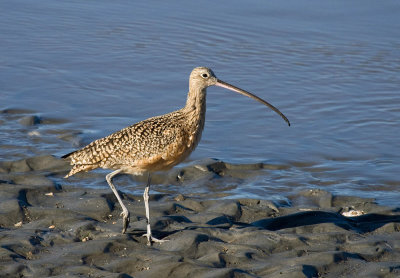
x=155, y=144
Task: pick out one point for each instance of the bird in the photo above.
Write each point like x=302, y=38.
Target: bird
x=155, y=144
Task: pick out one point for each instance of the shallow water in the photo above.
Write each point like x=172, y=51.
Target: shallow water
x=88, y=69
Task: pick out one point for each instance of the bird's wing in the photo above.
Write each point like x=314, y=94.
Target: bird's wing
x=157, y=143
x=154, y=142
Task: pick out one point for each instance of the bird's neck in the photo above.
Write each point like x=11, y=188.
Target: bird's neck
x=196, y=102
x=194, y=114
x=195, y=109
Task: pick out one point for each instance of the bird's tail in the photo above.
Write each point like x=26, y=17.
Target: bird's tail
x=67, y=156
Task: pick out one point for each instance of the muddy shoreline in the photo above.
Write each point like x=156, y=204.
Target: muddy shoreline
x=51, y=229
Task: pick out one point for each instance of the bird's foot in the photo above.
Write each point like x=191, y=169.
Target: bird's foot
x=151, y=239
x=125, y=220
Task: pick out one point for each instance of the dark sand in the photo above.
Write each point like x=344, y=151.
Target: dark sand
x=47, y=229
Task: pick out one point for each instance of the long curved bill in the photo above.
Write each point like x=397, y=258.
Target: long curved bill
x=228, y=86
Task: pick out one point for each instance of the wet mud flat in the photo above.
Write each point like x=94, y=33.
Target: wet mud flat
x=50, y=229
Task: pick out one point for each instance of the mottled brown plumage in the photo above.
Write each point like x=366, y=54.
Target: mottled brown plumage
x=155, y=144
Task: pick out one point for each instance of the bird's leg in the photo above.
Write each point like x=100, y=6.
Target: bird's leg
x=125, y=212
x=149, y=236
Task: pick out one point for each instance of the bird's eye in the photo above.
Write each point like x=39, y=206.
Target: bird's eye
x=204, y=75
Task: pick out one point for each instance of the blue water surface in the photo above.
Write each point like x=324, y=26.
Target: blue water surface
x=332, y=67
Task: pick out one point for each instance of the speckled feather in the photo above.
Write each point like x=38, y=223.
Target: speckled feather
x=158, y=143
x=155, y=144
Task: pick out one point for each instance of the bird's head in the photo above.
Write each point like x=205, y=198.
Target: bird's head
x=201, y=78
